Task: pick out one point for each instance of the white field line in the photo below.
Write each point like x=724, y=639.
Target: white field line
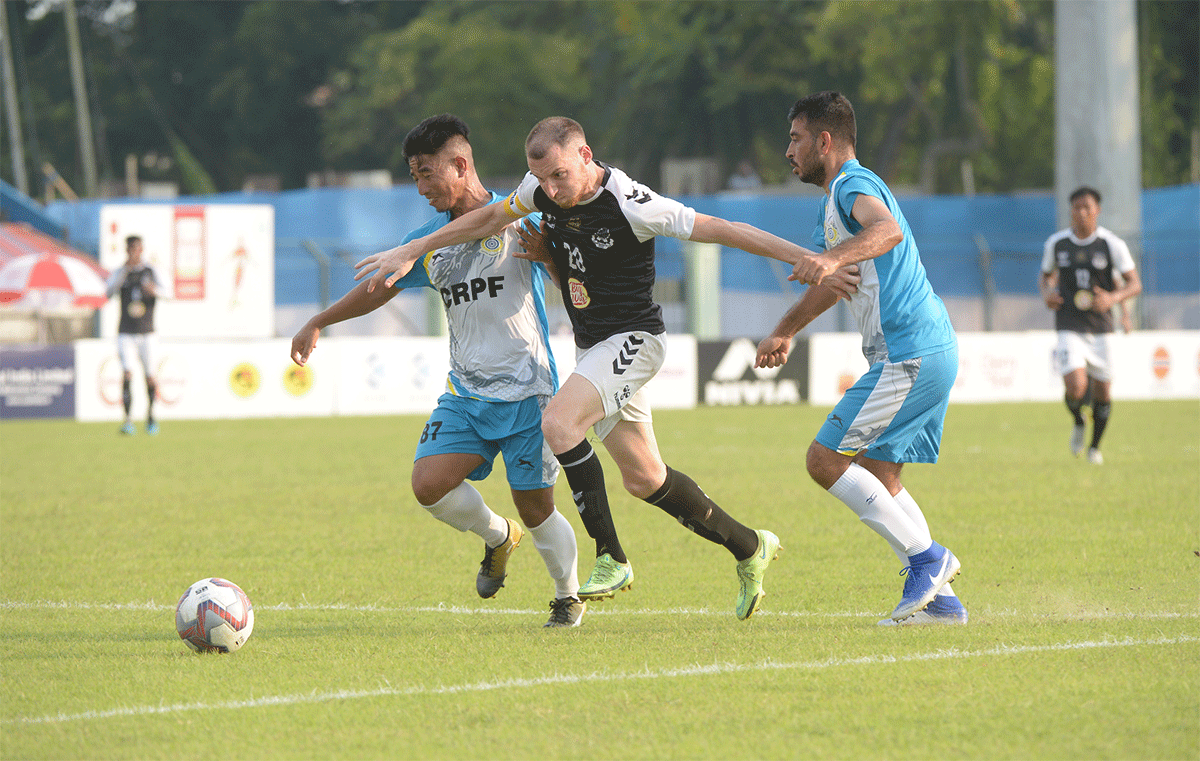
x=596, y=609
x=592, y=677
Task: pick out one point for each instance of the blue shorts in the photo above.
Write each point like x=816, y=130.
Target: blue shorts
x=461, y=425
x=895, y=411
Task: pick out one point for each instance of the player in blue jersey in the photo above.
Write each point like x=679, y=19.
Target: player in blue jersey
x=502, y=373
x=894, y=413
x=601, y=226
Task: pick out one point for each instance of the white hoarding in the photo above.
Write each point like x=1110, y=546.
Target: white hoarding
x=196, y=380
x=344, y=376
x=1003, y=367
x=217, y=263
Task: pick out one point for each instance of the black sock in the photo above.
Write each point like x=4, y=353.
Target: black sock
x=151, y=392
x=127, y=396
x=1100, y=413
x=1074, y=406
x=585, y=474
x=682, y=499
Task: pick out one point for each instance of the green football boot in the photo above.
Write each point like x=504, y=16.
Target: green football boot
x=608, y=577
x=751, y=571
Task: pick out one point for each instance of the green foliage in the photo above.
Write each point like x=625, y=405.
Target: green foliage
x=294, y=88
x=370, y=642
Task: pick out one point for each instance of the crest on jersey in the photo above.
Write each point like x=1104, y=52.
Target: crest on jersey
x=492, y=245
x=831, y=235
x=1099, y=261
x=579, y=295
x=602, y=239
x=574, y=223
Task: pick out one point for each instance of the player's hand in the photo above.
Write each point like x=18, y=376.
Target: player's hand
x=844, y=281
x=773, y=352
x=1102, y=300
x=537, y=247
x=1053, y=298
x=386, y=267
x=303, y=343
x=813, y=268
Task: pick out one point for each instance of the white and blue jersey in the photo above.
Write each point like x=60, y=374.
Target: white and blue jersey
x=897, y=312
x=502, y=372
x=896, y=410
x=496, y=311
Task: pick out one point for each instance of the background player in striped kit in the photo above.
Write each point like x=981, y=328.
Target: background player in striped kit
x=138, y=283
x=1080, y=269
x=601, y=226
x=894, y=413
x=502, y=372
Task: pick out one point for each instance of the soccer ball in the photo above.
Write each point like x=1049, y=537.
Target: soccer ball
x=214, y=614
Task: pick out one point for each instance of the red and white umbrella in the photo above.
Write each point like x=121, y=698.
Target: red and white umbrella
x=52, y=281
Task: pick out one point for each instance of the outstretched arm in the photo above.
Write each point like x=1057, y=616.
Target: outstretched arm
x=387, y=267
x=359, y=301
x=708, y=229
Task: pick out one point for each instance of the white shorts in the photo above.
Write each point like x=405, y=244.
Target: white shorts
x=1079, y=350
x=619, y=367
x=142, y=345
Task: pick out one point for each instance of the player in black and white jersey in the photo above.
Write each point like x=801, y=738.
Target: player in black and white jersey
x=600, y=226
x=1079, y=281
x=138, y=284
x=501, y=373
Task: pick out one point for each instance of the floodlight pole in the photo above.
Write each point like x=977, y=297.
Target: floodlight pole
x=10, y=105
x=83, y=118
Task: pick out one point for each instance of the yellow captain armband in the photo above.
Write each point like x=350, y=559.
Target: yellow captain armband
x=514, y=208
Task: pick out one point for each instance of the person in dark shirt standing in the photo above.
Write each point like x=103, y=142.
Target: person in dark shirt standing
x=1079, y=282
x=138, y=284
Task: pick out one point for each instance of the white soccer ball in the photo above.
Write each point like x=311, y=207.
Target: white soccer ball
x=214, y=614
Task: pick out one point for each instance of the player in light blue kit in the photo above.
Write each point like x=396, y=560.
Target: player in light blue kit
x=501, y=373
x=894, y=413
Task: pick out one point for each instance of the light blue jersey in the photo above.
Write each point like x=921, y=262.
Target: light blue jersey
x=496, y=311
x=897, y=312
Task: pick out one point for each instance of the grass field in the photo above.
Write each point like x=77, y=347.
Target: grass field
x=1083, y=585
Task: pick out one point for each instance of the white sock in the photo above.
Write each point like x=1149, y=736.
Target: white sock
x=913, y=510
x=555, y=541
x=863, y=493
x=464, y=509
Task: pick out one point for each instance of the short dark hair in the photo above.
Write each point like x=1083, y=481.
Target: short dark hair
x=428, y=137
x=827, y=111
x=1085, y=191
x=131, y=238
x=553, y=130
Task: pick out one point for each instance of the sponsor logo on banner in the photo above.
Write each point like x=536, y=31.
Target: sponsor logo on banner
x=297, y=380
x=190, y=253
x=37, y=382
x=1161, y=363
x=728, y=377
x=245, y=380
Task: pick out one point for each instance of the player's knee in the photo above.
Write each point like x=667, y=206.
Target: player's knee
x=535, y=506
x=558, y=434
x=822, y=463
x=429, y=487
x=643, y=479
